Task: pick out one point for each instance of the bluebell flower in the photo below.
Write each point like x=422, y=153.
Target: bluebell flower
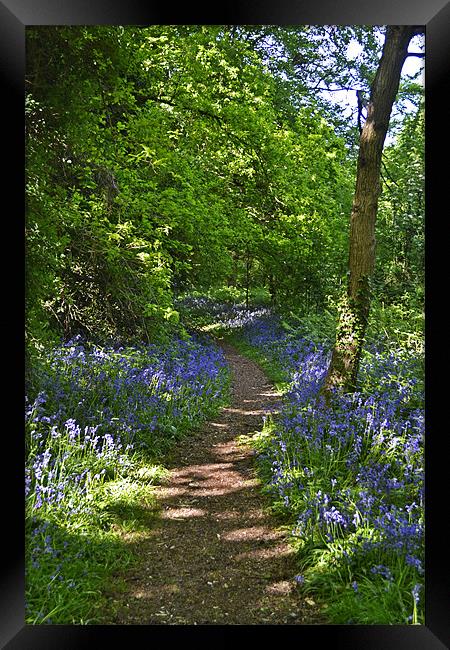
x=415, y=593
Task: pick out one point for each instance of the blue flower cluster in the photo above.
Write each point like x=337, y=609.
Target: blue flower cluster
x=97, y=414
x=351, y=475
x=227, y=315
x=135, y=393
x=105, y=402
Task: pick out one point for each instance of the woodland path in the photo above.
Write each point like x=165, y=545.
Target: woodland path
x=214, y=555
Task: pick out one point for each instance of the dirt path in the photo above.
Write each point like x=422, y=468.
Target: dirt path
x=215, y=556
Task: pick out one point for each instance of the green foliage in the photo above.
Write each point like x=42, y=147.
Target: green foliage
x=318, y=326
x=74, y=544
x=91, y=267
x=170, y=158
x=158, y=160
x=400, y=267
x=401, y=324
x=376, y=599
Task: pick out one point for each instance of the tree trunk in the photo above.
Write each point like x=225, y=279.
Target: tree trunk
x=354, y=312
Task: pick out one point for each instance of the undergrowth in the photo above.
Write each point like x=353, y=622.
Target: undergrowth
x=99, y=423
x=348, y=480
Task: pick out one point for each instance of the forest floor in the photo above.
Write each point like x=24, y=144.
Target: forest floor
x=213, y=554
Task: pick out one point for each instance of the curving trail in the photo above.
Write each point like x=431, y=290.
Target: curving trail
x=214, y=555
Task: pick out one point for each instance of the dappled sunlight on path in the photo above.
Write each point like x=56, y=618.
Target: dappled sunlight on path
x=214, y=555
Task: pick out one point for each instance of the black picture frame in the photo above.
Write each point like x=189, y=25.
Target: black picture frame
x=15, y=16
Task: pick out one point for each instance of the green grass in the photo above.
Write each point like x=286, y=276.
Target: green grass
x=67, y=583
x=373, y=601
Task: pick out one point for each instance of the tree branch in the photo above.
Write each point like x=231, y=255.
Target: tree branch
x=387, y=173
x=335, y=90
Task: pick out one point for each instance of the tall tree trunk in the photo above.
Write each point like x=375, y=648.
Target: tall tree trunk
x=354, y=312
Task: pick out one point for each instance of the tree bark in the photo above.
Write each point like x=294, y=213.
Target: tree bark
x=354, y=310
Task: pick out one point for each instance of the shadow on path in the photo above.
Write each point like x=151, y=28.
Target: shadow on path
x=214, y=555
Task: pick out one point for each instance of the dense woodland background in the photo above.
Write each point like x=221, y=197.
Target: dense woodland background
x=172, y=158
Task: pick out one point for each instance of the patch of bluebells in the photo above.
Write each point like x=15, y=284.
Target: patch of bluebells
x=100, y=404
x=95, y=408
x=353, y=473
x=136, y=394
x=229, y=316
